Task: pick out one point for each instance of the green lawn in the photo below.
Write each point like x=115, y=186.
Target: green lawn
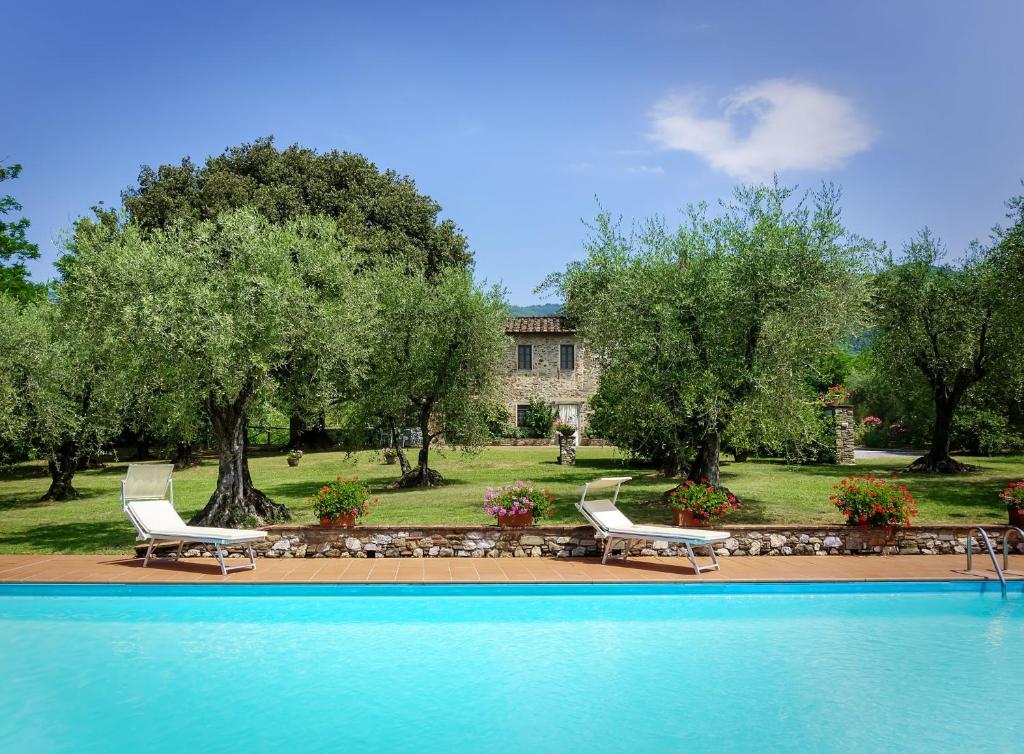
x=771, y=493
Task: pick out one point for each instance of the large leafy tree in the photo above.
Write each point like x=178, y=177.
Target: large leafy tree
x=15, y=248
x=381, y=213
x=702, y=321
x=954, y=326
x=205, y=318
x=434, y=359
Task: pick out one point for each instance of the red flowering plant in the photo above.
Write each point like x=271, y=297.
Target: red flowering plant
x=835, y=395
x=868, y=500
x=1013, y=496
x=342, y=497
x=703, y=500
x=872, y=421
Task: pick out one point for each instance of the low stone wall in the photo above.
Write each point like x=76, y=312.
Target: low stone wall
x=549, y=541
x=542, y=441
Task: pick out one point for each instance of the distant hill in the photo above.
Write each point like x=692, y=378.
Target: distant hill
x=535, y=310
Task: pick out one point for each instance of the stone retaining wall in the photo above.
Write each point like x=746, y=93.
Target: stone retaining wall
x=548, y=541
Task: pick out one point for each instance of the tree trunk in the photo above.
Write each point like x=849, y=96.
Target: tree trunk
x=938, y=460
x=295, y=429
x=396, y=443
x=422, y=475
x=235, y=502
x=672, y=464
x=185, y=456
x=705, y=466
x=62, y=465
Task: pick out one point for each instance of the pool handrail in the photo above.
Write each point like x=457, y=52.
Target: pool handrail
x=991, y=553
x=1006, y=542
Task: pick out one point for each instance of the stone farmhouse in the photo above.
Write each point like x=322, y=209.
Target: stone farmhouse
x=547, y=362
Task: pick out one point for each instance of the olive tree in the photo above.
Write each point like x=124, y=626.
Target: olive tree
x=59, y=396
x=953, y=326
x=207, y=317
x=697, y=322
x=434, y=362
x=380, y=212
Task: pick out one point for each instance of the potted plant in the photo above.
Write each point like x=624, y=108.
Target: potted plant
x=294, y=456
x=874, y=502
x=1013, y=496
x=390, y=456
x=341, y=503
x=698, y=503
x=836, y=395
x=564, y=429
x=516, y=505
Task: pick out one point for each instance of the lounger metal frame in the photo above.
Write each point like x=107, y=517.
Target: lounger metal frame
x=626, y=543
x=168, y=495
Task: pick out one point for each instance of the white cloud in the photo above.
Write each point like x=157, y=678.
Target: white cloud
x=645, y=169
x=769, y=126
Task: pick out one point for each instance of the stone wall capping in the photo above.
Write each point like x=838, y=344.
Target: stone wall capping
x=311, y=541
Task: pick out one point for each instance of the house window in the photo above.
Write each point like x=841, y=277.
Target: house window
x=568, y=359
x=525, y=354
x=521, y=410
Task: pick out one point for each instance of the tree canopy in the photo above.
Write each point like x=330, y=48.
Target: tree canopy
x=15, y=248
x=381, y=213
x=724, y=313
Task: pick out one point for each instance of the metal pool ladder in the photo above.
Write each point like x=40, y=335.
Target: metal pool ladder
x=991, y=553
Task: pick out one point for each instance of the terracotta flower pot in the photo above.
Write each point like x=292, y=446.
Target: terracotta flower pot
x=688, y=520
x=1016, y=517
x=344, y=521
x=390, y=460
x=518, y=521
x=294, y=461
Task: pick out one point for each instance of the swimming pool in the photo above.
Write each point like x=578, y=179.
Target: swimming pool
x=436, y=668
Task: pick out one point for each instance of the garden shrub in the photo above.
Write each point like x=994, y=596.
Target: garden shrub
x=539, y=418
x=981, y=431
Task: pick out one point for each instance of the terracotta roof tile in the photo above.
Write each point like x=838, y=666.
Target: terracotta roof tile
x=554, y=325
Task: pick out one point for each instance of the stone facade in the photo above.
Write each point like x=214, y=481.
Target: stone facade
x=842, y=420
x=546, y=380
x=286, y=541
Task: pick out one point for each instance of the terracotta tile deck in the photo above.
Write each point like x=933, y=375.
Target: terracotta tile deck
x=114, y=569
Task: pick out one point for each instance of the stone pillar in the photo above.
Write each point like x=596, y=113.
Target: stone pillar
x=842, y=420
x=567, y=450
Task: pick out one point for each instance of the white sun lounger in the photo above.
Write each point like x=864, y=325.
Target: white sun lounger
x=611, y=525
x=147, y=494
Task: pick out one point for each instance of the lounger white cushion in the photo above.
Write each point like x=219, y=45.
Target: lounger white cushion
x=157, y=519
x=614, y=521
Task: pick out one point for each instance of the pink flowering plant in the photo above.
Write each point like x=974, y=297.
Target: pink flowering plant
x=872, y=421
x=1013, y=496
x=703, y=500
x=518, y=498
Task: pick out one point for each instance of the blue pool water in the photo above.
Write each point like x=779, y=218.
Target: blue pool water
x=860, y=667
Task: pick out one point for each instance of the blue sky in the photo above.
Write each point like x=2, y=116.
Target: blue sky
x=516, y=116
